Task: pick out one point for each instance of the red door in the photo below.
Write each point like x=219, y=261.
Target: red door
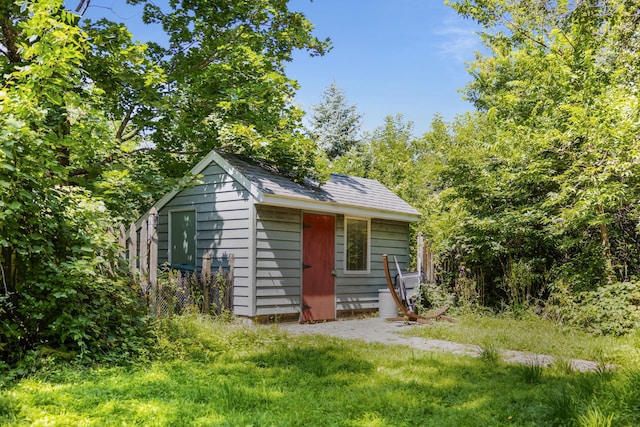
x=318, y=263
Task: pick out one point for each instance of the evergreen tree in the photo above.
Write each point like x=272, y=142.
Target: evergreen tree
x=335, y=124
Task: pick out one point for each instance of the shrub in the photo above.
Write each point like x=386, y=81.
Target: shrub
x=434, y=296
x=68, y=296
x=517, y=284
x=609, y=310
x=178, y=292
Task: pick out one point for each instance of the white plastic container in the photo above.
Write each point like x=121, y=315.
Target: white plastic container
x=386, y=305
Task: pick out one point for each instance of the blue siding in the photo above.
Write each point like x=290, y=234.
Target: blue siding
x=266, y=244
x=223, y=225
x=360, y=291
x=278, y=260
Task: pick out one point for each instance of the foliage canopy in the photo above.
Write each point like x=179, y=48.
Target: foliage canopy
x=226, y=83
x=533, y=197
x=94, y=126
x=537, y=192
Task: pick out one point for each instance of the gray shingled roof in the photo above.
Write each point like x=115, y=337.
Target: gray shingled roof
x=341, y=190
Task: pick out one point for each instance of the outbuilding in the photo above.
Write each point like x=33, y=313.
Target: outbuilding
x=301, y=251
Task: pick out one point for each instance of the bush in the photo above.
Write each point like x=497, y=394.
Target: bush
x=68, y=297
x=609, y=310
x=434, y=296
x=179, y=292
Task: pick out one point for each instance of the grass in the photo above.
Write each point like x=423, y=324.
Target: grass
x=215, y=374
x=532, y=372
x=489, y=352
x=532, y=334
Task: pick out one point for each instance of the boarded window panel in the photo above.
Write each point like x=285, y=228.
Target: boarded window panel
x=357, y=244
x=183, y=237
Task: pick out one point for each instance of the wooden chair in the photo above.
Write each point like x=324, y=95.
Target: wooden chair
x=401, y=295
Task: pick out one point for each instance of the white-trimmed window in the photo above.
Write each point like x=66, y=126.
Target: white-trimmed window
x=357, y=242
x=182, y=237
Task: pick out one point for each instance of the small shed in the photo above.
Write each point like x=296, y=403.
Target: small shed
x=302, y=252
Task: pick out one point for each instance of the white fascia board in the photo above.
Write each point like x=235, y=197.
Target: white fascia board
x=336, y=208
x=199, y=168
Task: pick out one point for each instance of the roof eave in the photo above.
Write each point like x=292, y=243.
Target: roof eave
x=338, y=208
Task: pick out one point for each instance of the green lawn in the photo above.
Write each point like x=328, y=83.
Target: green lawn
x=533, y=334
x=210, y=374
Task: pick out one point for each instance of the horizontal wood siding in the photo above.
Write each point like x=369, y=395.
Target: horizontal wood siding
x=278, y=260
x=223, y=225
x=360, y=291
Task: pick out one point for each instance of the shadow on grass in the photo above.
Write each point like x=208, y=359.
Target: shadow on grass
x=329, y=359
x=304, y=381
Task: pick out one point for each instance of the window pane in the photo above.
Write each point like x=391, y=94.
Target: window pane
x=357, y=244
x=183, y=238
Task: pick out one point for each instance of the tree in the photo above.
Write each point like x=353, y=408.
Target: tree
x=559, y=79
x=81, y=107
x=116, y=77
x=61, y=286
x=484, y=211
x=220, y=83
x=334, y=123
x=226, y=83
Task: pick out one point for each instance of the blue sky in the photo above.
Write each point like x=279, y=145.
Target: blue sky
x=389, y=56
x=400, y=56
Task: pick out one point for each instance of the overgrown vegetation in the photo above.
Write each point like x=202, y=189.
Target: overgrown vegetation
x=529, y=333
x=63, y=292
x=536, y=193
x=530, y=204
x=94, y=126
x=180, y=292
x=531, y=200
x=68, y=295
x=212, y=373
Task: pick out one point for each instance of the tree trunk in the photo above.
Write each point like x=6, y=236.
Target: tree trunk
x=606, y=248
